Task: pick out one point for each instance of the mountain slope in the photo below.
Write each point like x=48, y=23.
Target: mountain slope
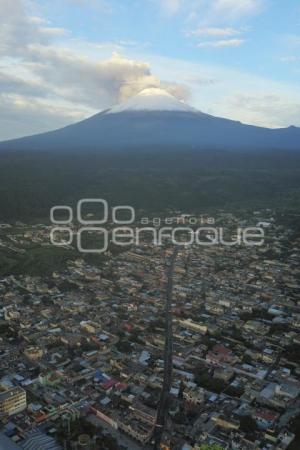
x=155, y=118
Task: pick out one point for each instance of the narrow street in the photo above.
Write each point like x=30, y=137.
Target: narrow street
x=167, y=382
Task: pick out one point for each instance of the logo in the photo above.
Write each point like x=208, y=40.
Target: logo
x=118, y=225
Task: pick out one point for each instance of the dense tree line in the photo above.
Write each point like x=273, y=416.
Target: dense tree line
x=32, y=182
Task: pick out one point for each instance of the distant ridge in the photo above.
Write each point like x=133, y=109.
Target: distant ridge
x=155, y=118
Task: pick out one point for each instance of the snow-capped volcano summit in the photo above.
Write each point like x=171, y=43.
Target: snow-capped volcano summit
x=152, y=99
x=156, y=119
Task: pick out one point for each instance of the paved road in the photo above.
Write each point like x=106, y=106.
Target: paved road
x=167, y=382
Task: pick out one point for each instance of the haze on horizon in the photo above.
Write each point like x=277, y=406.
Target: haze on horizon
x=62, y=61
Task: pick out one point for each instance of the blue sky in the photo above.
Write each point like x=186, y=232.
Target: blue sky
x=63, y=60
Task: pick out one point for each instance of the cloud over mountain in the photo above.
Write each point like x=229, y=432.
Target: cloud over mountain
x=52, y=75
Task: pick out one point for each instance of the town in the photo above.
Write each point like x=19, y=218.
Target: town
x=82, y=344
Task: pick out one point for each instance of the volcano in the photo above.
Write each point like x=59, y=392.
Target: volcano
x=156, y=119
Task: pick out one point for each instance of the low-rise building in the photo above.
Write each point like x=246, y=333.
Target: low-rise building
x=12, y=401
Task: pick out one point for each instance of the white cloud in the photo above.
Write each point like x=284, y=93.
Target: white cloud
x=272, y=110
x=220, y=20
x=10, y=83
x=59, y=82
x=22, y=115
x=213, y=11
x=96, y=84
x=214, y=32
x=234, y=94
x=62, y=83
x=232, y=10
x=221, y=43
x=290, y=59
x=18, y=29
x=98, y=6
x=171, y=7
x=58, y=79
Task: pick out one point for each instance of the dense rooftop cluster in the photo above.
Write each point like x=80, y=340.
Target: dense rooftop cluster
x=85, y=346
